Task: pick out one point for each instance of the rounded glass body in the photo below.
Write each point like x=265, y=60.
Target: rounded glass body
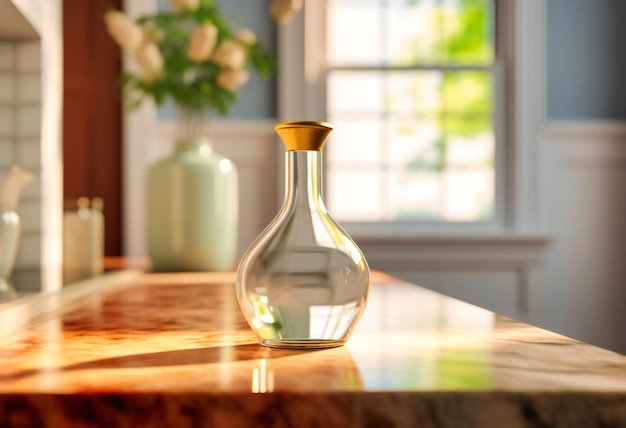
x=9, y=242
x=303, y=283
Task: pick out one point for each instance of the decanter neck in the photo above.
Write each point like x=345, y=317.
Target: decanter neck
x=303, y=180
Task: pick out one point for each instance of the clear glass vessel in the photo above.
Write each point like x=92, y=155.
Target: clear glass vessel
x=303, y=283
x=9, y=242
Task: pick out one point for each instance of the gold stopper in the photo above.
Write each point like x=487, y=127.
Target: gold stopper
x=303, y=135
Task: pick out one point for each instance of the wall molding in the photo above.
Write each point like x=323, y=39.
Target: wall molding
x=587, y=143
x=586, y=130
x=482, y=253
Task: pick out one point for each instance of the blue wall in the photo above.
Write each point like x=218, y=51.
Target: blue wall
x=586, y=59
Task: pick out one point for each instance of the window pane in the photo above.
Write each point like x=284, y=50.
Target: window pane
x=432, y=138
x=411, y=144
x=413, y=33
x=354, y=142
x=414, y=196
x=467, y=32
x=347, y=18
x=410, y=32
x=412, y=141
x=468, y=151
x=351, y=92
x=469, y=195
x=355, y=194
x=428, y=93
x=467, y=92
x=463, y=170
x=454, y=195
x=414, y=92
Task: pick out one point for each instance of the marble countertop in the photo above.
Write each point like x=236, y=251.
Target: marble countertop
x=174, y=350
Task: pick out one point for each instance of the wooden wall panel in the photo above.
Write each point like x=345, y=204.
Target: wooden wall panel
x=92, y=149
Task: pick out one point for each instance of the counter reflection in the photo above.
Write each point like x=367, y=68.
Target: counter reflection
x=423, y=340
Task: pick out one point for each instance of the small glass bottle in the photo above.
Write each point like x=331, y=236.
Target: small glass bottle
x=83, y=239
x=303, y=283
x=9, y=241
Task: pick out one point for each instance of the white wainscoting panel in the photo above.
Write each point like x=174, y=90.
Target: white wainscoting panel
x=498, y=272
x=571, y=277
x=497, y=290
x=584, y=208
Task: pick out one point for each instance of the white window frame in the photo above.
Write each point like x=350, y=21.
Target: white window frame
x=302, y=91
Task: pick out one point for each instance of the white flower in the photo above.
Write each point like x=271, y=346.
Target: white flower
x=283, y=10
x=185, y=4
x=232, y=79
x=150, y=61
x=202, y=43
x=230, y=54
x=245, y=37
x=124, y=30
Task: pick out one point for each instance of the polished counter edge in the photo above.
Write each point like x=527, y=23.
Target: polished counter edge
x=135, y=349
x=27, y=310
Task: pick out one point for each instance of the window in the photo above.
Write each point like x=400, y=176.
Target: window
x=410, y=89
x=408, y=153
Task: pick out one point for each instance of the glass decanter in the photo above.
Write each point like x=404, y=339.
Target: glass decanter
x=303, y=283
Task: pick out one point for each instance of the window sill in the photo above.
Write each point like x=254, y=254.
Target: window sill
x=454, y=238
x=440, y=232
x=418, y=251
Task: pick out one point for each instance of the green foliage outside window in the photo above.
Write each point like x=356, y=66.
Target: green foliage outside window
x=466, y=96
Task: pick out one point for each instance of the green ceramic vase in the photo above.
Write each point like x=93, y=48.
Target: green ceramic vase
x=192, y=210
